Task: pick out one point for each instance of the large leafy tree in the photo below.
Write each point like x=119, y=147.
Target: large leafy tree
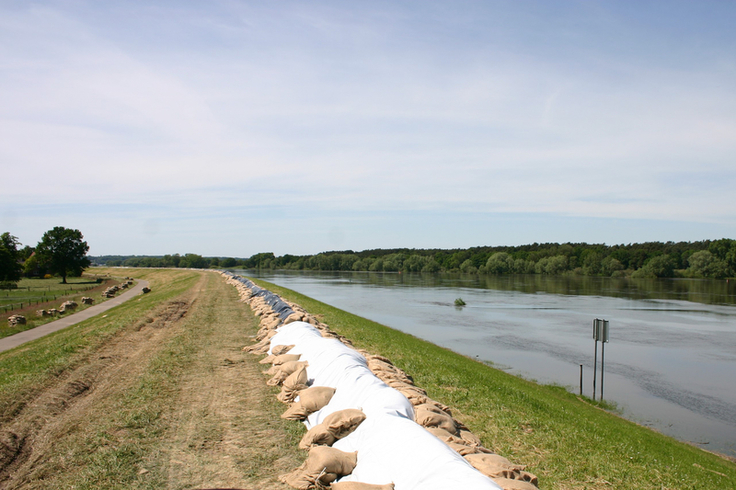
x=10, y=266
x=64, y=252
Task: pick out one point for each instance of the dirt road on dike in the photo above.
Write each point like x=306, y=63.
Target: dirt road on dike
x=170, y=401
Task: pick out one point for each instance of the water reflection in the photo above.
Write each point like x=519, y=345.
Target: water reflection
x=706, y=291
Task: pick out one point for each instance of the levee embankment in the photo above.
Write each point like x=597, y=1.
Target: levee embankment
x=157, y=393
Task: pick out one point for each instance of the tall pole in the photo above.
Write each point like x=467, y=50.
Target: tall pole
x=595, y=366
x=603, y=364
x=581, y=380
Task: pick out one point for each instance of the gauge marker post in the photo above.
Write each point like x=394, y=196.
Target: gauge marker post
x=600, y=334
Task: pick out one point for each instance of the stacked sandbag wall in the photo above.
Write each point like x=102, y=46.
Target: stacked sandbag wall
x=368, y=423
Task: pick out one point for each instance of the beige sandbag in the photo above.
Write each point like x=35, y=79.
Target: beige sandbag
x=510, y=484
x=323, y=466
x=426, y=418
x=344, y=422
x=293, y=384
x=310, y=400
x=463, y=449
x=268, y=359
x=494, y=460
x=319, y=435
x=470, y=438
x=432, y=408
x=281, y=349
x=456, y=443
x=294, y=317
x=284, y=371
x=354, y=485
x=335, y=426
x=496, y=466
x=284, y=358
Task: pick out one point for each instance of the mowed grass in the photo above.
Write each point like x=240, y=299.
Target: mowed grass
x=566, y=441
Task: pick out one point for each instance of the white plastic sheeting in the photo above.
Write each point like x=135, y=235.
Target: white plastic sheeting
x=396, y=449
x=391, y=446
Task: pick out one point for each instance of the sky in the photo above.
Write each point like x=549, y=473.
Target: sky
x=229, y=128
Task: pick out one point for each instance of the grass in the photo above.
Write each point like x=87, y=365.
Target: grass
x=36, y=294
x=29, y=368
x=163, y=412
x=567, y=441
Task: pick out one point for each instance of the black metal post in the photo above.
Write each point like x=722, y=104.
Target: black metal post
x=603, y=364
x=581, y=380
x=595, y=366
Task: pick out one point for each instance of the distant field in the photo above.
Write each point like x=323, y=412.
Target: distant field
x=37, y=294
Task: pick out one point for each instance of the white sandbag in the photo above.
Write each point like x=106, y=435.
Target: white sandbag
x=396, y=449
x=322, y=354
x=293, y=333
x=367, y=393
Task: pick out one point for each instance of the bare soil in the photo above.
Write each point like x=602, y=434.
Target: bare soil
x=120, y=420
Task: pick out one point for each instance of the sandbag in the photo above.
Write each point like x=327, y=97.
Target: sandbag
x=354, y=485
x=335, y=426
x=426, y=418
x=323, y=466
x=493, y=460
x=284, y=371
x=281, y=349
x=510, y=484
x=310, y=400
x=284, y=358
x=319, y=435
x=293, y=384
x=496, y=466
x=344, y=422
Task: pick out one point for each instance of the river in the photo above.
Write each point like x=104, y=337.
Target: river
x=670, y=363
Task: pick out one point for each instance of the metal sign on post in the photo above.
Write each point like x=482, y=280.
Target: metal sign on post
x=600, y=334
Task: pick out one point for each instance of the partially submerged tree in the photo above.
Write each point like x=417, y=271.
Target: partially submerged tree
x=10, y=266
x=64, y=252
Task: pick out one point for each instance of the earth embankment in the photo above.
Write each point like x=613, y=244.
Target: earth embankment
x=155, y=395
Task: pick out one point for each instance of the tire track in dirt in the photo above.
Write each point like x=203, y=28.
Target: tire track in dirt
x=224, y=434
x=29, y=437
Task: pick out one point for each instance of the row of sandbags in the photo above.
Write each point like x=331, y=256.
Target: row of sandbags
x=368, y=424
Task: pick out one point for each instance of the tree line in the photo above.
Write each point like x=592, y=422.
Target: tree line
x=706, y=259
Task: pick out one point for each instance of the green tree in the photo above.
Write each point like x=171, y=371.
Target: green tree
x=500, y=263
x=10, y=266
x=659, y=266
x=706, y=264
x=193, y=261
x=228, y=262
x=64, y=252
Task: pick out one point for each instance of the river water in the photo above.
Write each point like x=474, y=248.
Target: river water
x=670, y=363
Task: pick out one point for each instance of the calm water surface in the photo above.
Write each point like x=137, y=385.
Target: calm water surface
x=670, y=363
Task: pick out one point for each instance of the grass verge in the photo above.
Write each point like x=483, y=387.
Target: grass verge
x=566, y=441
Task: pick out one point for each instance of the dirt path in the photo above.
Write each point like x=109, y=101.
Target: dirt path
x=170, y=402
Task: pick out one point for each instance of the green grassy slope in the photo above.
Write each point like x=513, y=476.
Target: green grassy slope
x=566, y=441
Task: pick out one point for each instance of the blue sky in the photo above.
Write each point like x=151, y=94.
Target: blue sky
x=227, y=128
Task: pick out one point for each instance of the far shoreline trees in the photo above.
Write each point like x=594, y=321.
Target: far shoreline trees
x=704, y=259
